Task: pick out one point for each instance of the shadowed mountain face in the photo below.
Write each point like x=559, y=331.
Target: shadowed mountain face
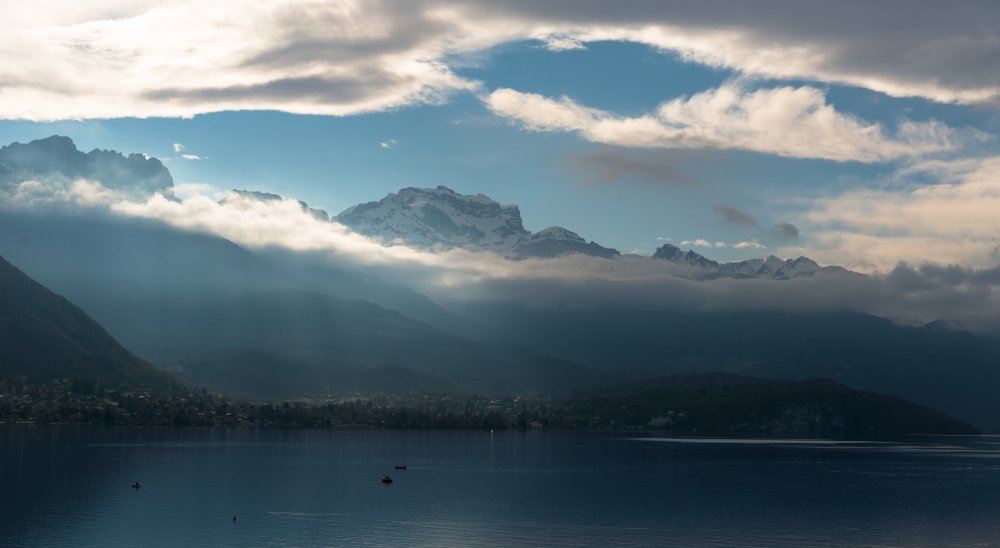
x=45, y=337
x=731, y=405
x=954, y=371
x=57, y=158
x=178, y=299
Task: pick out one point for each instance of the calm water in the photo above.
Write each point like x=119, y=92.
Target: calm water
x=65, y=486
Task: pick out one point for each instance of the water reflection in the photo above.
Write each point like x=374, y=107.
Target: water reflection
x=70, y=486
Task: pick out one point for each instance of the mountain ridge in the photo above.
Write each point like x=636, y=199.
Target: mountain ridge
x=770, y=267
x=43, y=336
x=56, y=157
x=439, y=217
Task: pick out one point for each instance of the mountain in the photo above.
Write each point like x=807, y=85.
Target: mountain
x=44, y=337
x=329, y=333
x=672, y=253
x=770, y=267
x=182, y=299
x=56, y=159
x=105, y=263
x=731, y=405
x=440, y=217
x=955, y=371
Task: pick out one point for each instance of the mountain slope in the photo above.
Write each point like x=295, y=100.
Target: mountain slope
x=44, y=337
x=174, y=297
x=731, y=405
x=955, y=371
x=332, y=333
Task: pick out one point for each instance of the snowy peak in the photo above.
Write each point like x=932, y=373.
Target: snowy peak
x=672, y=253
x=440, y=217
x=429, y=217
x=556, y=241
x=770, y=267
x=557, y=233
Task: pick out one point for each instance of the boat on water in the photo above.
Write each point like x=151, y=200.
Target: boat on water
x=386, y=480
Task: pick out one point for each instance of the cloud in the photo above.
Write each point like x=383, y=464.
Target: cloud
x=785, y=231
x=178, y=147
x=387, y=144
x=786, y=121
x=455, y=276
x=753, y=244
x=734, y=216
x=953, y=220
x=182, y=57
x=562, y=43
x=191, y=157
x=938, y=52
x=612, y=165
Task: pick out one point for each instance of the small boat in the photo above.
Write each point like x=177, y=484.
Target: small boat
x=386, y=480
x=398, y=467
x=136, y=486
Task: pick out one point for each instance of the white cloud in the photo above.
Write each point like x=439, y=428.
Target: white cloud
x=387, y=144
x=953, y=221
x=456, y=276
x=191, y=157
x=787, y=121
x=753, y=244
x=178, y=147
x=105, y=59
x=187, y=190
x=748, y=245
x=59, y=193
x=563, y=43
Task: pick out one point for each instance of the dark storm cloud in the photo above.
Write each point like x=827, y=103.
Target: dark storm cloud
x=734, y=216
x=614, y=165
x=918, y=47
x=345, y=88
x=785, y=231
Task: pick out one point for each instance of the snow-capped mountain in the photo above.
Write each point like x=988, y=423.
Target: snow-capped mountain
x=769, y=267
x=441, y=217
x=674, y=254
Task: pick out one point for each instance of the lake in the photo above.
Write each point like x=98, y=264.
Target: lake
x=70, y=486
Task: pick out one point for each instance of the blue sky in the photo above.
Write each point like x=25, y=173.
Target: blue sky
x=580, y=162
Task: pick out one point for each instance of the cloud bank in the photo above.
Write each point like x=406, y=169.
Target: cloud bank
x=785, y=121
x=954, y=220
x=104, y=59
x=912, y=294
